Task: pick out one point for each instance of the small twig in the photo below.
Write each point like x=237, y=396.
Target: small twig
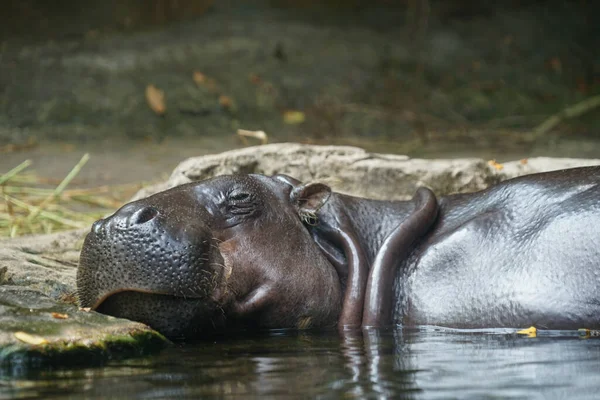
x=260, y=135
x=569, y=112
x=509, y=121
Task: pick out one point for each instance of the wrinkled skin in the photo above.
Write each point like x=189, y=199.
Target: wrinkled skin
x=226, y=253
x=524, y=252
x=232, y=252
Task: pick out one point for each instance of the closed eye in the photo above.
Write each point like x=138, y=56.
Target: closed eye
x=239, y=196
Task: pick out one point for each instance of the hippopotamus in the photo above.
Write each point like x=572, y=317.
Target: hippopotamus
x=249, y=252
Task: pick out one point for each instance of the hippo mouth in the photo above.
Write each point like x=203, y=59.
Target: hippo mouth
x=109, y=297
x=144, y=266
x=173, y=315
x=172, y=289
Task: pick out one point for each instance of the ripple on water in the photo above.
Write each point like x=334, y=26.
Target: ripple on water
x=426, y=363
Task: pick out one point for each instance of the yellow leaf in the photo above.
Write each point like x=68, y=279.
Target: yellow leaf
x=495, y=164
x=30, y=339
x=226, y=102
x=156, y=99
x=199, y=78
x=529, y=332
x=293, y=117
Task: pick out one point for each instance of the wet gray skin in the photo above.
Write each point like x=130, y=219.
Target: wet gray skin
x=232, y=252
x=223, y=254
x=521, y=253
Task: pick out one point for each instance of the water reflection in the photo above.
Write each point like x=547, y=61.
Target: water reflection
x=379, y=362
x=362, y=364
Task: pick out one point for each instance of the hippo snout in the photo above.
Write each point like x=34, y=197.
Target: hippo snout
x=129, y=217
x=146, y=264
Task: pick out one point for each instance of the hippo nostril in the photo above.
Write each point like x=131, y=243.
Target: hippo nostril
x=144, y=215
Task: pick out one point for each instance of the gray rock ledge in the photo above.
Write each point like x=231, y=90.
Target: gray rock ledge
x=38, y=299
x=352, y=170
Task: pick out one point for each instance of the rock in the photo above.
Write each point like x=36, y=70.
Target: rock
x=40, y=322
x=354, y=171
x=46, y=263
x=39, y=331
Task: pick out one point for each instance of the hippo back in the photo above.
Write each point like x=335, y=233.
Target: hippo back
x=525, y=252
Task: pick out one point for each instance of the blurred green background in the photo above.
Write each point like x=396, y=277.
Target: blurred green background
x=143, y=84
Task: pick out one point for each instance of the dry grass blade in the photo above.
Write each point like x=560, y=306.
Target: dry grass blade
x=45, y=214
x=28, y=206
x=11, y=174
x=34, y=213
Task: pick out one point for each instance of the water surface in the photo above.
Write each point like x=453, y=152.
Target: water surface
x=420, y=364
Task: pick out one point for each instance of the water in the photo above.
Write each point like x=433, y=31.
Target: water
x=420, y=364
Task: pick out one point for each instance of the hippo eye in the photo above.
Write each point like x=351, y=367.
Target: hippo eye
x=239, y=196
x=238, y=206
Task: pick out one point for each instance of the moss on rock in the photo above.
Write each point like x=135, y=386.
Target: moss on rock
x=39, y=324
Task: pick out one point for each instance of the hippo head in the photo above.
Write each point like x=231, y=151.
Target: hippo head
x=226, y=253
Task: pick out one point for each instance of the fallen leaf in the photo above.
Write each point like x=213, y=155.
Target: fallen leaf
x=529, y=332
x=156, y=99
x=524, y=161
x=293, y=117
x=30, y=339
x=493, y=163
x=254, y=78
x=85, y=309
x=199, y=78
x=59, y=315
x=202, y=80
x=260, y=135
x=226, y=102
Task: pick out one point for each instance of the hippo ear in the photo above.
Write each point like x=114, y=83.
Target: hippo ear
x=309, y=198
